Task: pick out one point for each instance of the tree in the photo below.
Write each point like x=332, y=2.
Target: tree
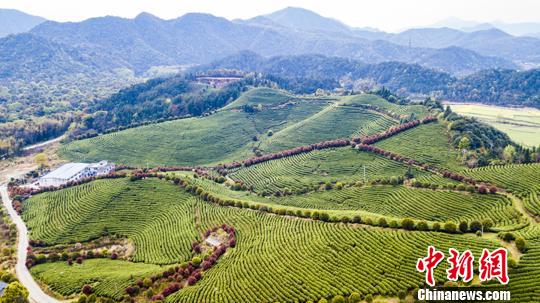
x=464, y=143
x=338, y=299
x=509, y=153
x=41, y=160
x=526, y=156
x=82, y=299
x=447, y=111
x=382, y=222
x=15, y=293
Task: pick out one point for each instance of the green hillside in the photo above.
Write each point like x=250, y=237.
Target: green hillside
x=224, y=136
x=275, y=121
x=311, y=169
x=427, y=143
x=160, y=208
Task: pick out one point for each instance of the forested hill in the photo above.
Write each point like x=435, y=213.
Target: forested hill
x=160, y=99
x=502, y=87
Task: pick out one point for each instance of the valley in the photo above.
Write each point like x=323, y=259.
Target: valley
x=181, y=156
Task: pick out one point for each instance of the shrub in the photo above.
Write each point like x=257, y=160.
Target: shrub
x=356, y=219
x=463, y=226
x=508, y=237
x=436, y=226
x=354, y=298
x=82, y=299
x=493, y=189
x=369, y=298
x=407, y=224
x=338, y=299
x=345, y=219
x=450, y=227
x=402, y=294
x=488, y=224
x=393, y=224
x=87, y=289
x=476, y=226
x=382, y=222
x=482, y=189
x=324, y=216
x=521, y=244
x=196, y=261
x=422, y=226
x=91, y=299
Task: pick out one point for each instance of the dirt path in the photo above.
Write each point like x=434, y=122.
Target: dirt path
x=517, y=203
x=23, y=274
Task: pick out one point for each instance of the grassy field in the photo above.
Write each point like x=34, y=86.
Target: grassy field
x=427, y=143
x=521, y=124
x=302, y=258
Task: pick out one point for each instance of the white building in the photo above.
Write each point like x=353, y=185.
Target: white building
x=74, y=172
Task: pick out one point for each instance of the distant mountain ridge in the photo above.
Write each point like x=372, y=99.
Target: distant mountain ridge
x=503, y=87
x=147, y=41
x=15, y=22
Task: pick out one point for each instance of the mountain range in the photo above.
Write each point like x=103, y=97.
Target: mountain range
x=147, y=41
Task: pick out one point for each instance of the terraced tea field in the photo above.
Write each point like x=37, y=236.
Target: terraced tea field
x=222, y=137
x=331, y=123
x=427, y=143
x=310, y=170
x=343, y=164
x=231, y=134
x=376, y=101
x=286, y=250
x=314, y=251
x=521, y=179
x=108, y=277
x=82, y=213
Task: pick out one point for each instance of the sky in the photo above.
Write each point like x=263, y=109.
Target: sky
x=388, y=15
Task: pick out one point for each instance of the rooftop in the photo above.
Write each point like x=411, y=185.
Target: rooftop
x=66, y=171
x=3, y=286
